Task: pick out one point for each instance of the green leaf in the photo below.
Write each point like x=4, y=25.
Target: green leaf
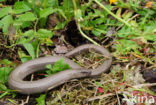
x=5, y=62
x=125, y=32
x=28, y=16
x=36, y=45
x=96, y=33
x=60, y=25
x=2, y=87
x=17, y=24
x=44, y=33
x=30, y=49
x=41, y=99
x=125, y=46
x=46, y=12
x=1, y=24
x=97, y=21
x=4, y=74
x=5, y=22
x=60, y=65
x=127, y=15
x=5, y=11
x=49, y=66
x=26, y=24
x=25, y=40
x=21, y=24
x=52, y=3
x=42, y=22
x=29, y=33
x=67, y=4
x=4, y=94
x=23, y=56
x=67, y=8
x=21, y=6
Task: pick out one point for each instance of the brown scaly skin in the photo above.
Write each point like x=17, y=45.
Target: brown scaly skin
x=16, y=77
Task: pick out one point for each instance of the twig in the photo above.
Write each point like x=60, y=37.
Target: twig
x=144, y=85
x=27, y=100
x=127, y=21
x=105, y=95
x=98, y=62
x=105, y=40
x=148, y=68
x=95, y=94
x=101, y=97
x=116, y=92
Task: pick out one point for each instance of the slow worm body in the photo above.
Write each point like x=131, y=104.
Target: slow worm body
x=16, y=77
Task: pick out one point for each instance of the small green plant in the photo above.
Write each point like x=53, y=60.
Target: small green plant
x=60, y=65
x=41, y=100
x=6, y=67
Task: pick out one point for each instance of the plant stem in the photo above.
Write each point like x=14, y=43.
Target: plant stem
x=35, y=26
x=84, y=35
x=79, y=28
x=74, y=4
x=12, y=45
x=111, y=13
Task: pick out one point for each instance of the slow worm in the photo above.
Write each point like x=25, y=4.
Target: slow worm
x=16, y=77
